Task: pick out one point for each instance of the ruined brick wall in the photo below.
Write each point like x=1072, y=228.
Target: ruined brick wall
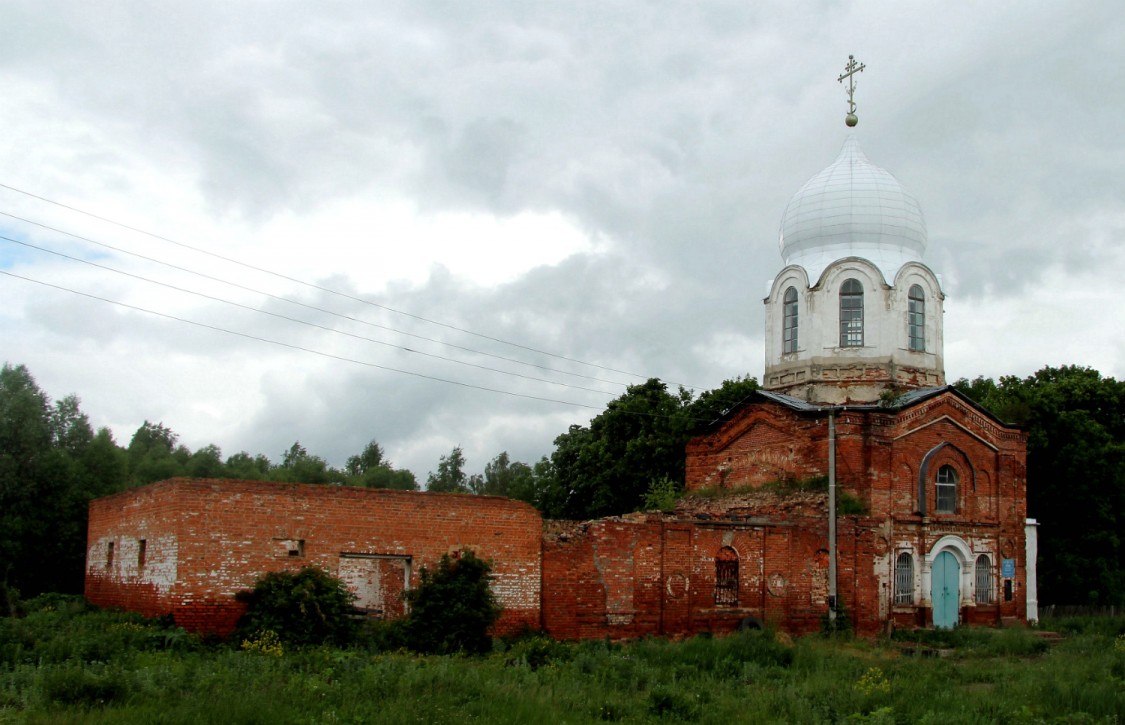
x=222, y=535
x=634, y=576
x=594, y=582
x=763, y=442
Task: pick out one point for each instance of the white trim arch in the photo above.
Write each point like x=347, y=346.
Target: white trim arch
x=965, y=558
x=835, y=274
x=918, y=273
x=795, y=277
x=954, y=544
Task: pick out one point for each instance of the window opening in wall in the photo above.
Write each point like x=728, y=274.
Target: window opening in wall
x=904, y=579
x=917, y=324
x=946, y=490
x=109, y=555
x=851, y=314
x=789, y=341
x=726, y=578
x=289, y=547
x=379, y=582
x=984, y=580
x=1007, y=590
x=142, y=547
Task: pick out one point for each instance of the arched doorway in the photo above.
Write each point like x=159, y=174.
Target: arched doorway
x=945, y=590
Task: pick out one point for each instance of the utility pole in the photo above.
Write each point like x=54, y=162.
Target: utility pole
x=832, y=519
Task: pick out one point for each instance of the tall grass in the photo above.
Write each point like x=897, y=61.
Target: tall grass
x=65, y=664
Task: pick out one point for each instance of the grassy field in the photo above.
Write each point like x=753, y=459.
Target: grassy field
x=64, y=664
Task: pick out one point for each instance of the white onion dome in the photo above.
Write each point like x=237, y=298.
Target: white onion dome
x=852, y=209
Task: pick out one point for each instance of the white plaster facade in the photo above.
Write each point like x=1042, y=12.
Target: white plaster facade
x=1031, y=556
x=151, y=561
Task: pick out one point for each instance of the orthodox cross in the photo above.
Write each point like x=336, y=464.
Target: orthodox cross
x=849, y=72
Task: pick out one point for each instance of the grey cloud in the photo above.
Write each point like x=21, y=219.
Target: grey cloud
x=672, y=136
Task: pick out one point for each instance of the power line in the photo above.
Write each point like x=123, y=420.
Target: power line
x=333, y=356
x=292, y=346
x=315, y=286
x=288, y=300
x=293, y=319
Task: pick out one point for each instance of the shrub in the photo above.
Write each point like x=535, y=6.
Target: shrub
x=263, y=642
x=534, y=650
x=758, y=646
x=453, y=607
x=663, y=494
x=74, y=685
x=666, y=702
x=307, y=607
x=10, y=605
x=66, y=629
x=841, y=625
x=873, y=682
x=384, y=635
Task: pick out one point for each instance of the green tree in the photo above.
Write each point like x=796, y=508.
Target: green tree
x=207, y=462
x=386, y=477
x=28, y=471
x=1075, y=475
x=450, y=476
x=299, y=466
x=503, y=477
x=371, y=469
x=106, y=464
x=153, y=454
x=51, y=465
x=248, y=468
x=371, y=457
x=70, y=428
x=543, y=481
x=453, y=607
x=712, y=405
x=606, y=469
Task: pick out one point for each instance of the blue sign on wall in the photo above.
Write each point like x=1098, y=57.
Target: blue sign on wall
x=1008, y=568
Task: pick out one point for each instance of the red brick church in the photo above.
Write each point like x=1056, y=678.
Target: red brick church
x=923, y=522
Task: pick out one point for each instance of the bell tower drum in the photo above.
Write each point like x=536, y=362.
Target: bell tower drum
x=854, y=315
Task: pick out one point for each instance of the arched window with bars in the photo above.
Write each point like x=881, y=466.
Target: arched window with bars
x=726, y=578
x=916, y=326
x=789, y=323
x=851, y=314
x=904, y=578
x=984, y=592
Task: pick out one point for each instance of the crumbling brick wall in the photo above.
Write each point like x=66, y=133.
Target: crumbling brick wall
x=656, y=575
x=204, y=540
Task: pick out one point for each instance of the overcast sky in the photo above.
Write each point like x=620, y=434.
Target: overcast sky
x=402, y=198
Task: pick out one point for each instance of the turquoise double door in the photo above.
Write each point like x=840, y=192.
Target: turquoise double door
x=945, y=590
